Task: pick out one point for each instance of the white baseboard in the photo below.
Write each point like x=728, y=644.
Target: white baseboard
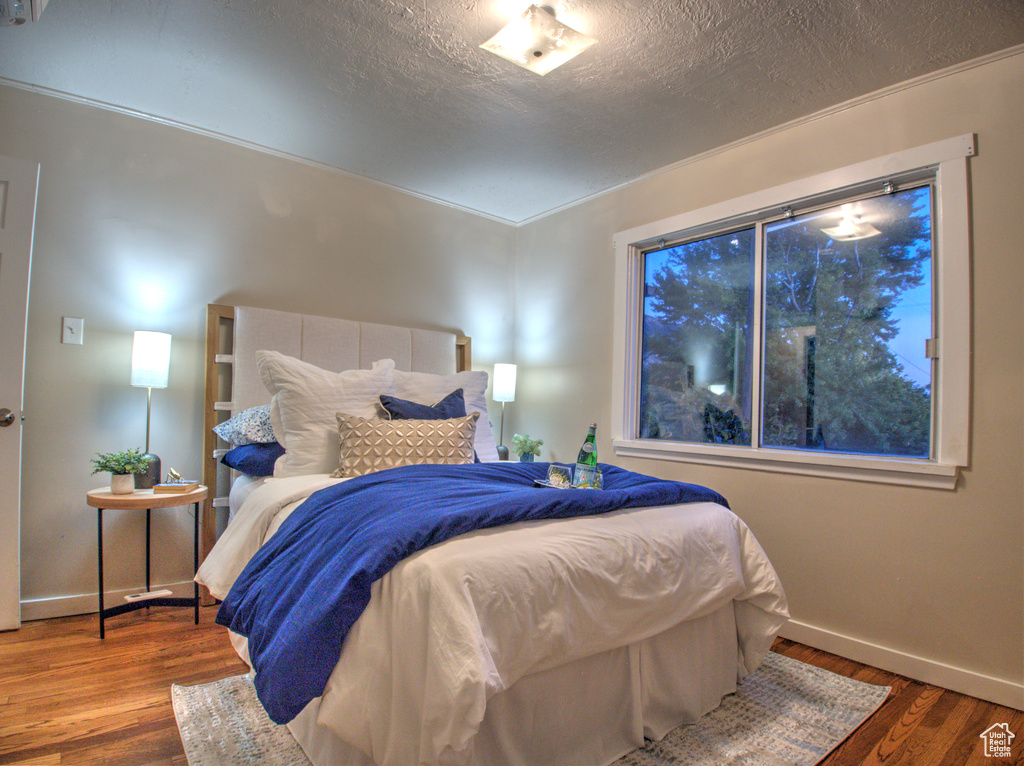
x=88, y=603
x=998, y=690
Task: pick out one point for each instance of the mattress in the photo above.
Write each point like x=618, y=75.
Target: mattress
x=241, y=488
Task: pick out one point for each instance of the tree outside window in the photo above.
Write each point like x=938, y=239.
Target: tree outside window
x=847, y=307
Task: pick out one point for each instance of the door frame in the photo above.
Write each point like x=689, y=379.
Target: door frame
x=17, y=228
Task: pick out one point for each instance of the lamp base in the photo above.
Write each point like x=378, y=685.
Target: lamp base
x=151, y=476
x=502, y=452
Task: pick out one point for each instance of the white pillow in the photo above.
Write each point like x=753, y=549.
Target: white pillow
x=424, y=387
x=305, y=404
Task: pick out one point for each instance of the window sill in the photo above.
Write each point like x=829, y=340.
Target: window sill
x=912, y=473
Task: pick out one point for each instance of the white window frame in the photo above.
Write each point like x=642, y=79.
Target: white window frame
x=951, y=261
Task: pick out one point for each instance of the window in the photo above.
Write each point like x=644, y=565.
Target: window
x=696, y=337
x=821, y=331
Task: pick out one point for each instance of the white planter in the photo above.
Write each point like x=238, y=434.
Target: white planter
x=122, y=484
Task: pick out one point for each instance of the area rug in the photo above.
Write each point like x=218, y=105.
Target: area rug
x=788, y=713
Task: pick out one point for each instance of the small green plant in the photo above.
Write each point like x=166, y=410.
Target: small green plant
x=121, y=463
x=524, y=445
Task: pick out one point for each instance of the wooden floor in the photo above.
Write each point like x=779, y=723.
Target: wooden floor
x=68, y=698
x=918, y=725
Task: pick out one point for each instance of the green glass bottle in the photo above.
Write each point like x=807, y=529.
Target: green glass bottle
x=586, y=463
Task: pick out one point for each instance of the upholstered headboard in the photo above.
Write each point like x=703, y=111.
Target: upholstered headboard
x=331, y=344
x=233, y=384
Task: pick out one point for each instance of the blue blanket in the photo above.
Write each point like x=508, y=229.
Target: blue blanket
x=301, y=593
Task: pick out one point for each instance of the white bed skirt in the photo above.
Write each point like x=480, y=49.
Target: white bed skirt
x=589, y=712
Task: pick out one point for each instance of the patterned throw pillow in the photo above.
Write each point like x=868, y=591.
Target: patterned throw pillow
x=452, y=406
x=251, y=426
x=424, y=387
x=373, y=445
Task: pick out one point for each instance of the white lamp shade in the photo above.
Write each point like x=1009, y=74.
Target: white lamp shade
x=151, y=359
x=504, y=383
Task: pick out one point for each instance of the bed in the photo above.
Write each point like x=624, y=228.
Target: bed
x=559, y=641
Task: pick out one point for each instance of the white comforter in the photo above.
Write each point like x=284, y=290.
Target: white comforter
x=456, y=623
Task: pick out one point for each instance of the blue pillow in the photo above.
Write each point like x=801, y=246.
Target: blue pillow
x=254, y=459
x=452, y=406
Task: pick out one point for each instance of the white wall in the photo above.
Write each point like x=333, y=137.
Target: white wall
x=928, y=582
x=139, y=226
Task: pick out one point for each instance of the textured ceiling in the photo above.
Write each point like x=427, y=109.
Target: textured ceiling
x=401, y=92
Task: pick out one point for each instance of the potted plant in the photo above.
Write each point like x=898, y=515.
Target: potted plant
x=526, y=447
x=122, y=467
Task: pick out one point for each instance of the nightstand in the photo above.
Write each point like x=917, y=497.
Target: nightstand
x=139, y=500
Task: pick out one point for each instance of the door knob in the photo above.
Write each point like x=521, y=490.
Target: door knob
x=6, y=417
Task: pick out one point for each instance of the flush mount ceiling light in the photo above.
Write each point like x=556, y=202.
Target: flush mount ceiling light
x=538, y=41
x=850, y=228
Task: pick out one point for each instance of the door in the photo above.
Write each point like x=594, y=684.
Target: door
x=18, y=183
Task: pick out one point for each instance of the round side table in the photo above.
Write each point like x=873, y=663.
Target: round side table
x=146, y=499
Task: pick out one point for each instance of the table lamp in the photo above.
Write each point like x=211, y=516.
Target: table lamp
x=504, y=391
x=151, y=362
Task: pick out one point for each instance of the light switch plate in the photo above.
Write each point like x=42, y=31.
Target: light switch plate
x=73, y=329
